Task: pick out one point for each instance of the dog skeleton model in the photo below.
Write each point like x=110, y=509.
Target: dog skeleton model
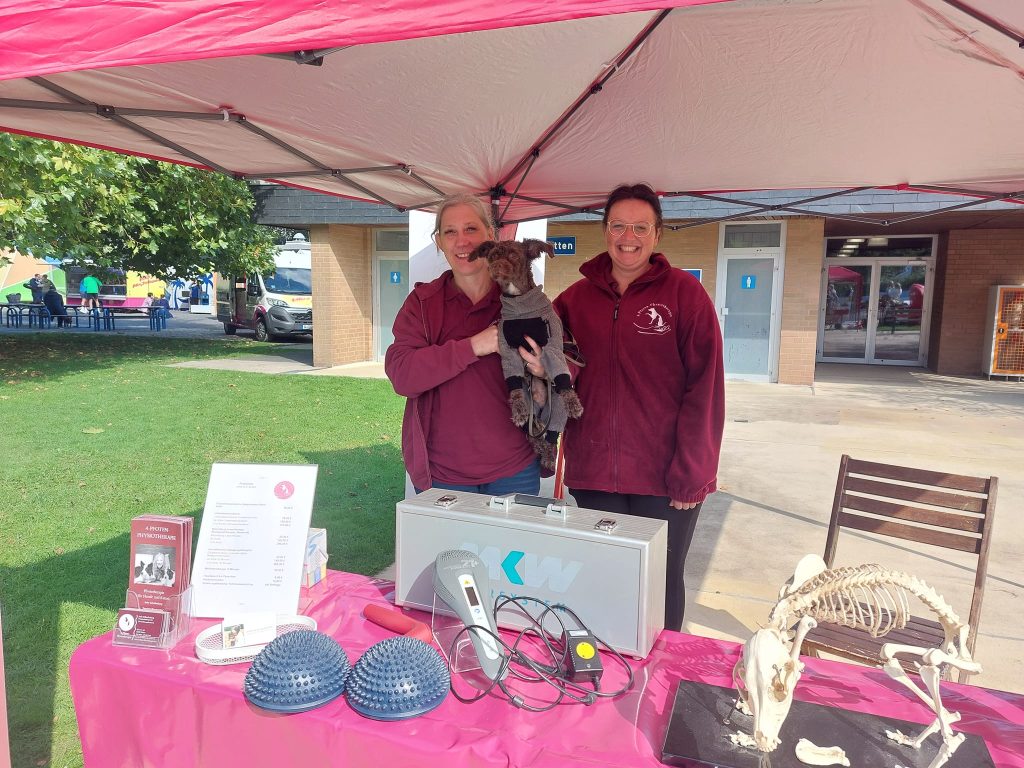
x=866, y=597
x=526, y=311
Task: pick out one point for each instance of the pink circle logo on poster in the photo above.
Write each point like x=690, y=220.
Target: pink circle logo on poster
x=284, y=489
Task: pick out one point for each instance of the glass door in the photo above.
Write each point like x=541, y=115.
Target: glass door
x=874, y=311
x=844, y=335
x=900, y=293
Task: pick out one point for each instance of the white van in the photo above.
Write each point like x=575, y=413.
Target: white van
x=270, y=304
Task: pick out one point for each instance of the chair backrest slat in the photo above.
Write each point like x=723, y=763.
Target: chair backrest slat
x=955, y=501
x=923, y=476
x=910, y=533
x=951, y=521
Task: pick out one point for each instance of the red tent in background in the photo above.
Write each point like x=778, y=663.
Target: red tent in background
x=916, y=296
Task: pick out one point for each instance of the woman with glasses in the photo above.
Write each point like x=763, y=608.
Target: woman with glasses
x=653, y=388
x=457, y=433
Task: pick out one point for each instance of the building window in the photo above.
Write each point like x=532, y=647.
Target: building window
x=753, y=235
x=391, y=240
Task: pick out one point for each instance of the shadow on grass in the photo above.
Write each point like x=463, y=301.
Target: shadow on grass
x=357, y=489
x=45, y=357
x=33, y=597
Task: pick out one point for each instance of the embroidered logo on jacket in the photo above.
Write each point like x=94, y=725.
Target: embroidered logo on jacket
x=653, y=320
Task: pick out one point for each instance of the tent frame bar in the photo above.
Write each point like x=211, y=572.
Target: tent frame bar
x=592, y=90
x=79, y=104
x=988, y=21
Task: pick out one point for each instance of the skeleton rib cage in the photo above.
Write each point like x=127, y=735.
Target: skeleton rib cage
x=866, y=597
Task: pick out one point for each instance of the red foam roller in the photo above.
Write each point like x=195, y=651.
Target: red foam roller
x=397, y=622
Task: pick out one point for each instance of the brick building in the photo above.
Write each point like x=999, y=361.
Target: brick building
x=877, y=277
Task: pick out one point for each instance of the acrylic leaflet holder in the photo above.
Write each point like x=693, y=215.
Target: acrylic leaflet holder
x=453, y=638
x=146, y=627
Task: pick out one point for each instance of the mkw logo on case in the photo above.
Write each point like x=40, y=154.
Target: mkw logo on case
x=524, y=569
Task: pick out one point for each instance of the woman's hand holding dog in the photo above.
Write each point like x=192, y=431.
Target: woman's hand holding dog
x=532, y=359
x=485, y=342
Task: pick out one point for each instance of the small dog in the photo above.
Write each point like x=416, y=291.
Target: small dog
x=526, y=311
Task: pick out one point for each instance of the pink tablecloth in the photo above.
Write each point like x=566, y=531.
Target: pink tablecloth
x=155, y=708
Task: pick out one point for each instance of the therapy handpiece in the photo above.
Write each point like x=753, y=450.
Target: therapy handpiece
x=461, y=581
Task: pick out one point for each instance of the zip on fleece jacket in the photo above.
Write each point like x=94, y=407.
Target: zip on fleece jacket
x=653, y=387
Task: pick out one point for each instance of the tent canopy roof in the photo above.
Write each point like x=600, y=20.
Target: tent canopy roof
x=543, y=107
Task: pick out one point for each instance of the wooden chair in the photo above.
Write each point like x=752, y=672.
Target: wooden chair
x=879, y=498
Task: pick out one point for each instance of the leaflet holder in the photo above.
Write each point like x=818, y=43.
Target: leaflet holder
x=445, y=626
x=176, y=624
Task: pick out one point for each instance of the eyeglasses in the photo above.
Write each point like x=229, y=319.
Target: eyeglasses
x=640, y=229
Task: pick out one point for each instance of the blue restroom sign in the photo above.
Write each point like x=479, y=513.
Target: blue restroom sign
x=563, y=246
x=396, y=278
x=748, y=282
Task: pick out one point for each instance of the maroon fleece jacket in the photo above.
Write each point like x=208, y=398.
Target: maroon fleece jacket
x=653, y=389
x=432, y=363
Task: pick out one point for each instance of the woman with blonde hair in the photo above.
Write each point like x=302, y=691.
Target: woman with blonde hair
x=457, y=433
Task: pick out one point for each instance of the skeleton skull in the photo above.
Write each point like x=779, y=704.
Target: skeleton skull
x=765, y=677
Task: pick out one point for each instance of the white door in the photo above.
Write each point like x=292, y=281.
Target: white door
x=391, y=275
x=748, y=299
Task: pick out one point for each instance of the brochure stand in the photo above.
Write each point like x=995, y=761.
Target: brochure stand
x=446, y=627
x=308, y=596
x=151, y=627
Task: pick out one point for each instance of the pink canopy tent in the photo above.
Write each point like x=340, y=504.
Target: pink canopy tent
x=541, y=106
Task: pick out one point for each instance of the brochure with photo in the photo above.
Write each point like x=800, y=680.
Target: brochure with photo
x=159, y=562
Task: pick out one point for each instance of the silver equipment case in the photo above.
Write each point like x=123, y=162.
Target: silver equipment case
x=609, y=569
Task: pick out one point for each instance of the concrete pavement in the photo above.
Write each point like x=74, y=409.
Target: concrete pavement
x=779, y=465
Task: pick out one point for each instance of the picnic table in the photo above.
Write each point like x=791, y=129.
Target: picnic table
x=104, y=318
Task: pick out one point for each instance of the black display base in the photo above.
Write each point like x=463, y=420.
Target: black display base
x=698, y=738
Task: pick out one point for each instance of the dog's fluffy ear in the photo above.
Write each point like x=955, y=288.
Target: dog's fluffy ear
x=483, y=250
x=534, y=248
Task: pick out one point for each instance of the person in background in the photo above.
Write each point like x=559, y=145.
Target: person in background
x=457, y=432
x=55, y=306
x=147, y=303
x=90, y=290
x=653, y=389
x=163, y=306
x=35, y=286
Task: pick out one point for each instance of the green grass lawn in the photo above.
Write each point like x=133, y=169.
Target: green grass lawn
x=97, y=429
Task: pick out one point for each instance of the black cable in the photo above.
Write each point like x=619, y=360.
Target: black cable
x=558, y=652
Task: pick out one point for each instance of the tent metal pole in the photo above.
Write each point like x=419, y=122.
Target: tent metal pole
x=594, y=89
x=323, y=168
x=318, y=172
x=553, y=204
x=986, y=20
x=91, y=107
x=515, y=192
x=408, y=171
x=992, y=198
x=283, y=144
x=758, y=208
x=108, y=114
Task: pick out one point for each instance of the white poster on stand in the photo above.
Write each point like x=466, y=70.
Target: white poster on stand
x=252, y=539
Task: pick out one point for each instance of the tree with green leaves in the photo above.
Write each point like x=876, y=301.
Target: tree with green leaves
x=107, y=210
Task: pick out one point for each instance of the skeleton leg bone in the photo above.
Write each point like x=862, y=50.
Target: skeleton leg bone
x=931, y=677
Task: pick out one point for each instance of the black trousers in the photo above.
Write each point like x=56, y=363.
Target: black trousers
x=681, y=525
